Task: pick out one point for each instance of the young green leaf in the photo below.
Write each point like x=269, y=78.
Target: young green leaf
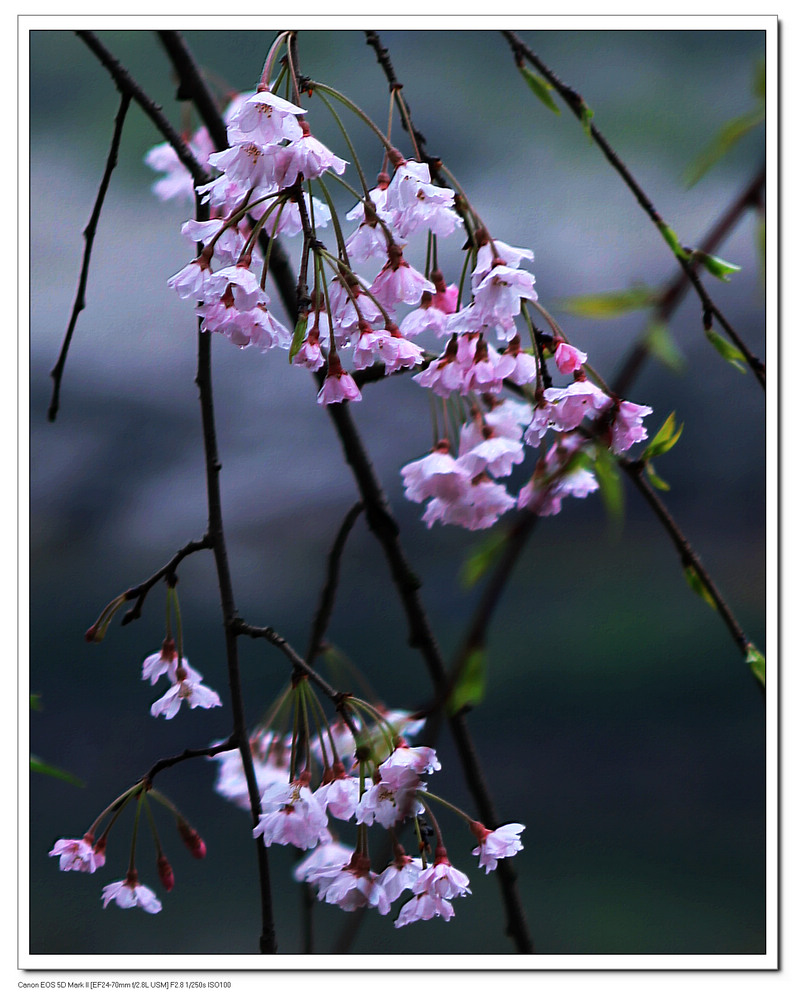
x=661, y=345
x=482, y=558
x=721, y=269
x=606, y=305
x=730, y=133
x=665, y=439
x=299, y=334
x=471, y=684
x=610, y=482
x=696, y=583
x=586, y=115
x=671, y=238
x=727, y=350
x=540, y=87
x=654, y=479
x=757, y=662
x=39, y=766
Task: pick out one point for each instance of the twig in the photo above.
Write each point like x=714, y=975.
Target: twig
x=689, y=558
x=673, y=293
x=139, y=592
x=231, y=743
x=88, y=236
x=579, y=108
x=127, y=85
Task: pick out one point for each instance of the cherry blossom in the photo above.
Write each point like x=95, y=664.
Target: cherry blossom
x=78, y=855
x=424, y=906
x=568, y=358
x=292, y=815
x=504, y=842
x=129, y=893
x=186, y=689
x=628, y=428
x=264, y=118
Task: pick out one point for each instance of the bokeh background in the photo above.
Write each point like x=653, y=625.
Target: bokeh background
x=620, y=724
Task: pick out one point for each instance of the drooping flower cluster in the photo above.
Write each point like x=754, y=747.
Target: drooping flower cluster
x=186, y=686
x=371, y=300
x=372, y=778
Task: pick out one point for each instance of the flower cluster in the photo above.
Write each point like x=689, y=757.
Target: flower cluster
x=372, y=300
x=186, y=686
x=373, y=778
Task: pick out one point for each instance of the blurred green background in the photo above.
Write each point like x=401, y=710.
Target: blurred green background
x=620, y=724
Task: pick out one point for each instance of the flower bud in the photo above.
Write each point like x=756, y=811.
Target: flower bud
x=165, y=873
x=192, y=840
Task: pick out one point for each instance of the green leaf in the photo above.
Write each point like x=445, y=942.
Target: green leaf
x=727, y=350
x=298, y=337
x=729, y=134
x=672, y=239
x=696, y=583
x=586, y=115
x=40, y=767
x=471, y=683
x=661, y=345
x=757, y=662
x=540, y=87
x=607, y=472
x=654, y=479
x=482, y=558
x=721, y=269
x=606, y=305
x=665, y=439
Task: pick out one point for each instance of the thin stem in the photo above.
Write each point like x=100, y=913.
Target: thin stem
x=88, y=236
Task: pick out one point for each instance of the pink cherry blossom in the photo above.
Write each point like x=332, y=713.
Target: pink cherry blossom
x=186, y=689
x=424, y=906
x=568, y=358
x=263, y=118
x=306, y=156
x=78, y=855
x=399, y=875
x=442, y=879
x=338, y=386
x=129, y=892
x=292, y=815
x=628, y=428
x=504, y=842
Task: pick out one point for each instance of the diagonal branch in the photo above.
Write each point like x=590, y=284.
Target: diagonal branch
x=580, y=109
x=88, y=235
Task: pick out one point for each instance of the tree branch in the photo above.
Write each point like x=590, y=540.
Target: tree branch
x=580, y=109
x=88, y=235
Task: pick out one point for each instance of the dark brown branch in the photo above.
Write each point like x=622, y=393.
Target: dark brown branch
x=88, y=236
x=231, y=743
x=688, y=557
x=580, y=109
x=215, y=532
x=127, y=85
x=167, y=573
x=192, y=86
x=673, y=293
